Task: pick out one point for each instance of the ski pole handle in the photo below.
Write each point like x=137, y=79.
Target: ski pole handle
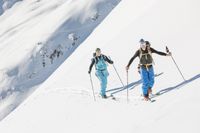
x=109, y=57
x=167, y=49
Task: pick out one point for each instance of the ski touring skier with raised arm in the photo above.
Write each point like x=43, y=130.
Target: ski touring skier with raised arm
x=100, y=61
x=146, y=69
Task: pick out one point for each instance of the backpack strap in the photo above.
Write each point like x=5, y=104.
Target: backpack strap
x=141, y=54
x=96, y=58
x=150, y=53
x=104, y=57
x=140, y=51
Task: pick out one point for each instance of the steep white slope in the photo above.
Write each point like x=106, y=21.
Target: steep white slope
x=7, y=4
x=36, y=37
x=64, y=103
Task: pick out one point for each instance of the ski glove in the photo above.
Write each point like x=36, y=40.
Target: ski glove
x=89, y=72
x=139, y=69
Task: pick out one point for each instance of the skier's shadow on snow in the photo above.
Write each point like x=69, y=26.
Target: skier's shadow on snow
x=161, y=92
x=130, y=86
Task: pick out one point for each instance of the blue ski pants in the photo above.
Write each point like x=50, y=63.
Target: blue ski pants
x=102, y=75
x=147, y=76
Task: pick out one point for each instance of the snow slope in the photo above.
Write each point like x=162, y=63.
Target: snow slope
x=36, y=37
x=64, y=102
x=7, y=4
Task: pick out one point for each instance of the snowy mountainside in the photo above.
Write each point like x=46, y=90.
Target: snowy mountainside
x=7, y=4
x=36, y=37
x=64, y=102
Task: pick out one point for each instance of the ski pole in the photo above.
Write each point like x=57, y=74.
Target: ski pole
x=127, y=86
x=167, y=50
x=117, y=73
x=92, y=87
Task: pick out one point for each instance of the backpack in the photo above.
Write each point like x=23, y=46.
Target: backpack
x=146, y=58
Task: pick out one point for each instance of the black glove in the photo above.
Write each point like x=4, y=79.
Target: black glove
x=112, y=62
x=89, y=72
x=139, y=71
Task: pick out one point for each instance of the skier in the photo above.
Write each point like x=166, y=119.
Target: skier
x=101, y=69
x=146, y=66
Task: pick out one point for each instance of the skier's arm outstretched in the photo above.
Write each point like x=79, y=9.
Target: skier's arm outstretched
x=137, y=53
x=160, y=53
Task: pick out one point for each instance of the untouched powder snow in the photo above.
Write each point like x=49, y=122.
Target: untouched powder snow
x=64, y=102
x=7, y=4
x=36, y=37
